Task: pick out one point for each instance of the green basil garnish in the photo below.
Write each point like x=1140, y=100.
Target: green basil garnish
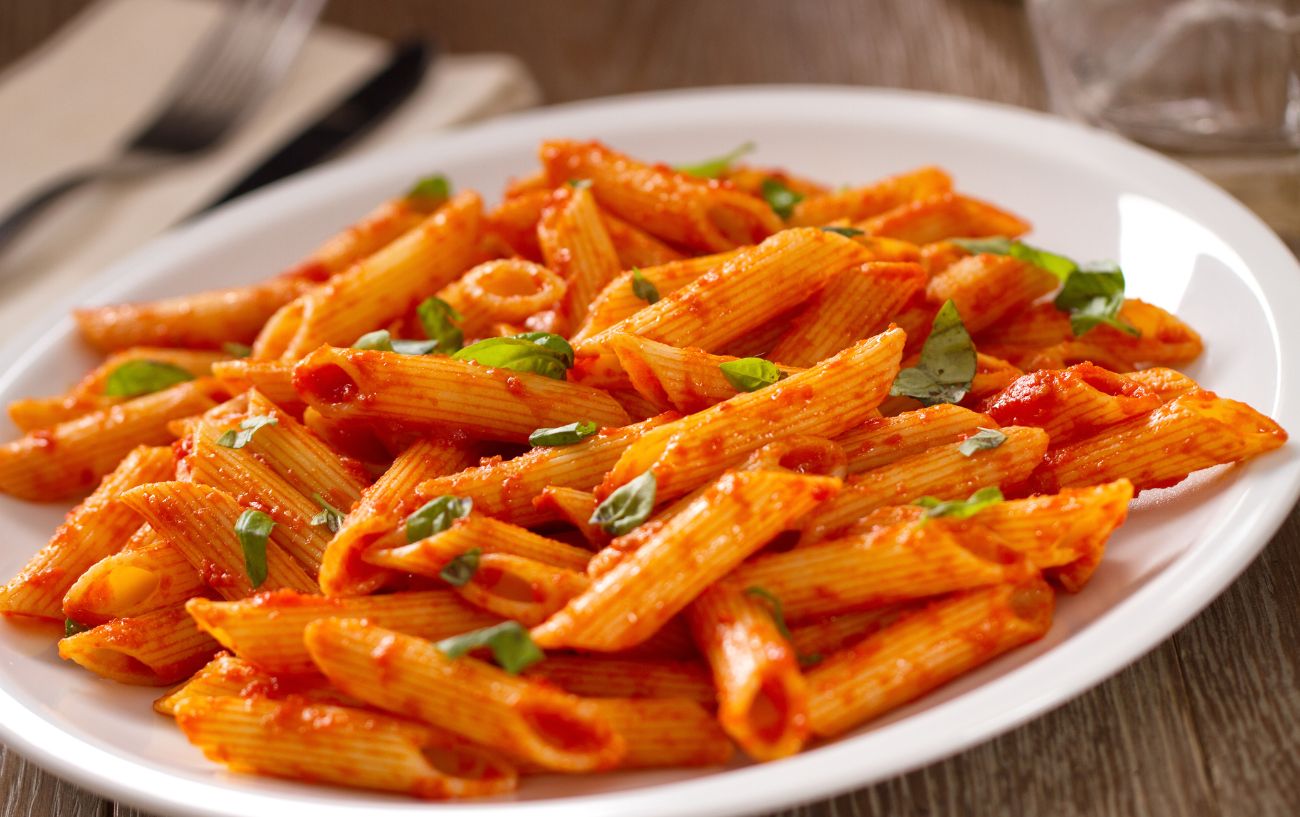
x=713, y=168
x=777, y=612
x=434, y=188
x=436, y=515
x=137, y=377
x=643, y=288
x=627, y=507
x=461, y=569
x=512, y=647
x=436, y=316
x=253, y=529
x=1058, y=265
x=947, y=365
x=381, y=340
x=982, y=440
x=71, y=628
x=236, y=350
x=562, y=435
x=779, y=197
x=329, y=516
x=536, y=352
x=238, y=439
x=847, y=232
x=750, y=373
x=960, y=508
x=579, y=184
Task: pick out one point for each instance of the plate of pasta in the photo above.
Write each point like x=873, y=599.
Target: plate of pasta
x=580, y=461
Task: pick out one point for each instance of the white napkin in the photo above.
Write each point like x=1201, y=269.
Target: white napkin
x=80, y=95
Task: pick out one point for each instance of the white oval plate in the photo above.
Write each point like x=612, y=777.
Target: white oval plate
x=1184, y=244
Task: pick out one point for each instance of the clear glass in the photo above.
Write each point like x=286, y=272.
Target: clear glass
x=1199, y=75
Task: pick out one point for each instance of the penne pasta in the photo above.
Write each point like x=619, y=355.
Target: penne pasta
x=619, y=299
x=132, y=582
x=882, y=440
x=155, y=649
x=601, y=677
x=508, y=290
x=661, y=732
x=943, y=215
x=575, y=243
x=857, y=203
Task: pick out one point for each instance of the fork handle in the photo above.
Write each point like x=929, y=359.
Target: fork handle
x=18, y=218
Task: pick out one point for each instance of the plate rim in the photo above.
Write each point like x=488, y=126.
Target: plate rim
x=1186, y=588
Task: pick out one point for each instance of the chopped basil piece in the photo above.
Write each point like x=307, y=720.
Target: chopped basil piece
x=435, y=188
x=236, y=350
x=713, y=168
x=779, y=197
x=579, y=184
x=535, y=352
x=436, y=316
x=1058, y=265
x=1093, y=295
x=512, y=647
x=643, y=288
x=71, y=628
x=136, y=377
x=750, y=373
x=461, y=569
x=244, y=436
x=847, y=232
x=436, y=515
x=382, y=341
x=947, y=364
x=562, y=435
x=627, y=507
x=982, y=440
x=329, y=516
x=960, y=508
x=253, y=529
x=777, y=612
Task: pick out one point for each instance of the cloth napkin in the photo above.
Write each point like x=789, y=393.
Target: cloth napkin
x=85, y=91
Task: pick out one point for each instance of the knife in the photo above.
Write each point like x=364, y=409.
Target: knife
x=364, y=108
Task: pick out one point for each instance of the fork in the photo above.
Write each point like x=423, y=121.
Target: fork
x=230, y=72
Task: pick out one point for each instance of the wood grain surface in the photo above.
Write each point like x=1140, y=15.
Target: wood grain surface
x=1206, y=724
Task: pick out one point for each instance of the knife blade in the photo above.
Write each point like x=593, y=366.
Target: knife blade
x=366, y=106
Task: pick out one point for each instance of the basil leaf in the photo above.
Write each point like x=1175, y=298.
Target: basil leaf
x=627, y=507
x=236, y=350
x=562, y=435
x=1093, y=295
x=329, y=516
x=981, y=440
x=715, y=167
x=579, y=184
x=847, y=232
x=777, y=612
x=414, y=347
x=1058, y=265
x=381, y=340
x=71, y=628
x=536, y=352
x=750, y=373
x=947, y=364
x=643, y=288
x=136, y=377
x=253, y=529
x=960, y=508
x=436, y=316
x=512, y=647
x=436, y=515
x=244, y=436
x=435, y=188
x=461, y=569
x=779, y=197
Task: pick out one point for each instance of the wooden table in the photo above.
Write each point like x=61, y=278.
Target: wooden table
x=1209, y=722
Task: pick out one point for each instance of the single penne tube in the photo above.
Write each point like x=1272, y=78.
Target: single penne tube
x=273, y=378
x=895, y=563
x=699, y=545
x=634, y=246
x=665, y=732
x=199, y=521
x=802, y=454
x=1071, y=403
x=595, y=676
x=523, y=718
x=857, y=203
x=383, y=508
x=506, y=290
x=1168, y=383
x=499, y=404
x=227, y=676
x=390, y=282
x=278, y=332
x=96, y=528
x=521, y=589
x=675, y=379
x=848, y=308
x=815, y=639
x=751, y=179
x=575, y=507
x=762, y=697
x=155, y=649
x=681, y=209
x=133, y=582
x=72, y=457
x=922, y=651
x=882, y=440
x=506, y=489
x=943, y=472
x=943, y=215
x=824, y=401
x=575, y=243
x=618, y=300
x=513, y=223
x=267, y=629
x=341, y=745
x=300, y=458
x=430, y=555
x=1196, y=430
x=987, y=288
